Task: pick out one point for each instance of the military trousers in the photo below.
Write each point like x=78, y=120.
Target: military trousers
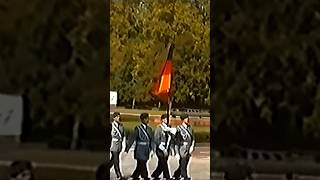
x=141, y=169
x=115, y=162
x=182, y=169
x=162, y=167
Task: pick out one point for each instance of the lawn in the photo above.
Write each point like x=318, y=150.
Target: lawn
x=132, y=124
x=202, y=133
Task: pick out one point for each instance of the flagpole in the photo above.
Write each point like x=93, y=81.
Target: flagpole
x=170, y=54
x=168, y=110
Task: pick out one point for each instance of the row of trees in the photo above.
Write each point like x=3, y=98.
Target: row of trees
x=53, y=51
x=140, y=34
x=266, y=66
x=267, y=71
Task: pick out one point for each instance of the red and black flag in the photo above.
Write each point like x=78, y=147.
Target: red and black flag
x=162, y=86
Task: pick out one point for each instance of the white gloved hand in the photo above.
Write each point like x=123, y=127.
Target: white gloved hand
x=165, y=152
x=151, y=154
x=173, y=130
x=161, y=147
x=191, y=148
x=177, y=156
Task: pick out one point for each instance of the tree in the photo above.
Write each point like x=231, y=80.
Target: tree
x=265, y=66
x=50, y=49
x=142, y=46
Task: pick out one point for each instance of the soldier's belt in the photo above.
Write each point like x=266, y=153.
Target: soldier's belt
x=142, y=143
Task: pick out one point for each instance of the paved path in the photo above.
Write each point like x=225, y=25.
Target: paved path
x=199, y=166
x=88, y=161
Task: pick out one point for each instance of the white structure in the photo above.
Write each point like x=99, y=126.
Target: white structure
x=11, y=115
x=113, y=98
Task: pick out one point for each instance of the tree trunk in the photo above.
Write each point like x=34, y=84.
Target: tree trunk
x=133, y=103
x=75, y=134
x=159, y=105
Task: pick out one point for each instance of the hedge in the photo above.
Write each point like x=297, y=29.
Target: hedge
x=201, y=136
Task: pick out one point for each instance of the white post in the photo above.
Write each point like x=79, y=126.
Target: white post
x=75, y=134
x=133, y=103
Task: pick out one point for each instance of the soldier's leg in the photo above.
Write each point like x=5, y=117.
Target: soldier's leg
x=116, y=164
x=177, y=172
x=136, y=172
x=156, y=173
x=166, y=173
x=144, y=170
x=110, y=164
x=187, y=162
x=184, y=167
x=163, y=164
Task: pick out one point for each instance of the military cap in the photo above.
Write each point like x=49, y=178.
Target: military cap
x=115, y=114
x=163, y=116
x=184, y=116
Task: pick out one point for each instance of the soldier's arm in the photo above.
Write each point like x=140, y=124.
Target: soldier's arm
x=124, y=134
x=193, y=142
x=153, y=141
x=131, y=139
x=176, y=140
x=157, y=136
x=124, y=140
x=193, y=138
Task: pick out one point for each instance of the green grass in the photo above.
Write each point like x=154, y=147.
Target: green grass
x=132, y=124
x=202, y=134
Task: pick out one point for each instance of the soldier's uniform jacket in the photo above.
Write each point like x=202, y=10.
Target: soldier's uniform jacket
x=143, y=137
x=162, y=139
x=184, y=140
x=117, y=134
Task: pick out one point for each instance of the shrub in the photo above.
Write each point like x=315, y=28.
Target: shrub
x=202, y=136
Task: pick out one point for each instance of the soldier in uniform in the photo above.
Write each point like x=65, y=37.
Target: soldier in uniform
x=184, y=146
x=118, y=135
x=143, y=137
x=162, y=139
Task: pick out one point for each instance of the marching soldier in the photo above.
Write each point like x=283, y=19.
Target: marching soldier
x=143, y=137
x=117, y=134
x=162, y=139
x=184, y=146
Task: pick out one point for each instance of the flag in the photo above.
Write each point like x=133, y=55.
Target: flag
x=163, y=83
